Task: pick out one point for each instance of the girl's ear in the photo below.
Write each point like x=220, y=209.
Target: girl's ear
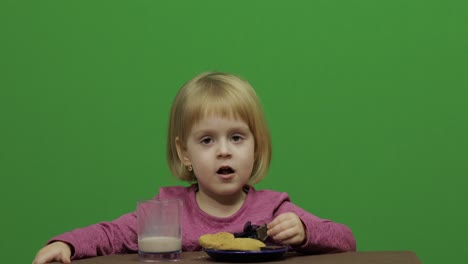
x=182, y=152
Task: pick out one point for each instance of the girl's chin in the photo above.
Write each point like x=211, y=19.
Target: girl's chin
x=223, y=186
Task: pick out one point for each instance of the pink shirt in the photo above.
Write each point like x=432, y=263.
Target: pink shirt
x=119, y=236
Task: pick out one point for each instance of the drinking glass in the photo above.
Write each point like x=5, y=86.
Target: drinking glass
x=159, y=227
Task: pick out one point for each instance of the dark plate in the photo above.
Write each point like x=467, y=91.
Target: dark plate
x=266, y=254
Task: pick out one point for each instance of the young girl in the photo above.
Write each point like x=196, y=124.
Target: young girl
x=219, y=140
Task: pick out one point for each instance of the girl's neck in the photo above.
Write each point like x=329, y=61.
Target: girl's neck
x=220, y=206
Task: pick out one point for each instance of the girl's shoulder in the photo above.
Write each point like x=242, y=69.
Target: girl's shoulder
x=268, y=194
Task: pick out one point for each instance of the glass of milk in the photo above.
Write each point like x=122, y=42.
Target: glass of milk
x=159, y=227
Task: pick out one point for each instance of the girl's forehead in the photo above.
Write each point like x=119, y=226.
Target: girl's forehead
x=210, y=118
x=217, y=121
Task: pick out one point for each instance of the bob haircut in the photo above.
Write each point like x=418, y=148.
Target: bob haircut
x=224, y=95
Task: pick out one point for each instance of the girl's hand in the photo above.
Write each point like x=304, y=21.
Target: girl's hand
x=287, y=228
x=56, y=251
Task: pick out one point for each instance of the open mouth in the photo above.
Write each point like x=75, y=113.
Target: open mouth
x=225, y=170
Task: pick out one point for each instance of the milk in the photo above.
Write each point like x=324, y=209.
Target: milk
x=159, y=244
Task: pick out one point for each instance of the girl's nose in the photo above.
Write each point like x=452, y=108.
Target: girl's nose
x=223, y=150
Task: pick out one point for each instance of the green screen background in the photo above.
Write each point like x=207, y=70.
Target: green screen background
x=366, y=102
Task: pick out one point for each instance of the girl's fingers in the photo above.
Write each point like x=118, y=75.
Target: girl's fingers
x=287, y=228
x=65, y=258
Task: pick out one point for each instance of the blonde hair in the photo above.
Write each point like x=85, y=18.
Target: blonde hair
x=221, y=94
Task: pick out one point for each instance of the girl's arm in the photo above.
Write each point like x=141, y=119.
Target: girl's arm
x=321, y=235
x=105, y=238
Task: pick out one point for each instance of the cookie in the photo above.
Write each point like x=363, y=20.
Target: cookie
x=227, y=241
x=215, y=241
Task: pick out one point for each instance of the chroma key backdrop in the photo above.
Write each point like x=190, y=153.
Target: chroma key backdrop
x=366, y=102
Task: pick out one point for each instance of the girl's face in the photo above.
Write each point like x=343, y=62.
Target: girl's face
x=221, y=152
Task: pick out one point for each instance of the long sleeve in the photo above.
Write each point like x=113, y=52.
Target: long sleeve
x=116, y=237
x=323, y=236
x=260, y=207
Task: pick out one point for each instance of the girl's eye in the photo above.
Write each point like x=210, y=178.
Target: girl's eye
x=206, y=141
x=236, y=138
